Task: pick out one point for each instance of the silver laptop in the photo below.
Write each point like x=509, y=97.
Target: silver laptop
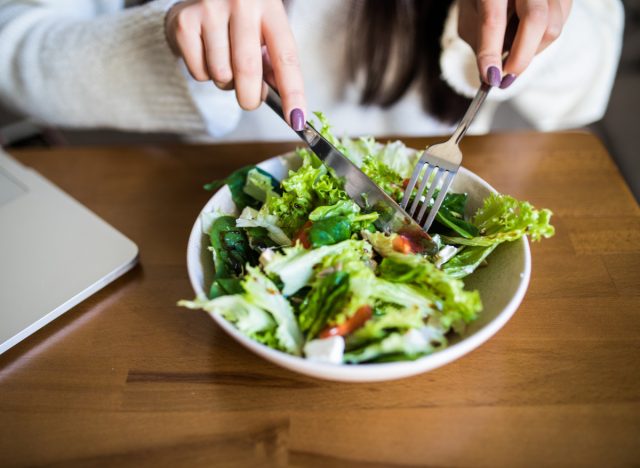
x=54, y=252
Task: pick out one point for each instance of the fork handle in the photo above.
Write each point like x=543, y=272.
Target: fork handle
x=471, y=113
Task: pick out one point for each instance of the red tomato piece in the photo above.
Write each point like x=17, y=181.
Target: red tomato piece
x=350, y=325
x=303, y=235
x=401, y=244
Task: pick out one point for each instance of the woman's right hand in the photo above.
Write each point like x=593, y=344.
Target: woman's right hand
x=237, y=44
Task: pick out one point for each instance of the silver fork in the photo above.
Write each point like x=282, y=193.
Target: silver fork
x=445, y=158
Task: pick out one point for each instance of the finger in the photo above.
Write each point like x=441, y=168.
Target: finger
x=188, y=32
x=267, y=68
x=283, y=56
x=493, y=21
x=246, y=57
x=533, y=16
x=215, y=36
x=555, y=22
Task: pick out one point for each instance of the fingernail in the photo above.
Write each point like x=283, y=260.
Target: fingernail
x=297, y=119
x=493, y=76
x=507, y=80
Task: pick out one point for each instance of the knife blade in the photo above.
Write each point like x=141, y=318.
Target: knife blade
x=360, y=188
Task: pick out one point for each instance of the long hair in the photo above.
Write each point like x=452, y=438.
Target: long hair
x=395, y=44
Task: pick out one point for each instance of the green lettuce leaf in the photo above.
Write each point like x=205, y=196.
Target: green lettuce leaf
x=503, y=218
x=396, y=346
x=365, y=288
x=295, y=265
x=455, y=305
x=467, y=260
x=369, y=157
x=262, y=292
x=337, y=222
x=260, y=184
x=451, y=215
x=327, y=296
x=344, y=208
x=303, y=190
x=248, y=318
x=236, y=182
x=329, y=231
x=387, y=319
x=325, y=131
x=384, y=177
x=252, y=218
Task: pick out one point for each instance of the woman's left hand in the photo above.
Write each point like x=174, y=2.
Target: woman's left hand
x=482, y=24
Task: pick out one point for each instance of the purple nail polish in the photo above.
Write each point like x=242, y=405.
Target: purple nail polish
x=507, y=80
x=297, y=119
x=493, y=76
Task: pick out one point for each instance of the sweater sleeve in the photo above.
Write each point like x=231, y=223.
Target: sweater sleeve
x=568, y=84
x=92, y=63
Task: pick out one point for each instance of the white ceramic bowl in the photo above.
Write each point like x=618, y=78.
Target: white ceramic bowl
x=502, y=285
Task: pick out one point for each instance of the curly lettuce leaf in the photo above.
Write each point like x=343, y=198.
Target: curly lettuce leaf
x=502, y=218
x=312, y=185
x=365, y=154
x=325, y=131
x=347, y=209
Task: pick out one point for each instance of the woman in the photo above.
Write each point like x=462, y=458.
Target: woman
x=374, y=67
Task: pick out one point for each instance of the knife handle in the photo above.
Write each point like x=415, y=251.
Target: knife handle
x=308, y=134
x=273, y=100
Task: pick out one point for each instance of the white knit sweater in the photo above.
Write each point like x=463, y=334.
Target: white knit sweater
x=93, y=63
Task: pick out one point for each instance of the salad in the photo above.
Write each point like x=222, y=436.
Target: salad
x=301, y=268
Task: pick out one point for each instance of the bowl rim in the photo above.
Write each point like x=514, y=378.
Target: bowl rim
x=369, y=372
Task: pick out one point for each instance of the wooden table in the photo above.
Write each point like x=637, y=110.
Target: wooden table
x=127, y=378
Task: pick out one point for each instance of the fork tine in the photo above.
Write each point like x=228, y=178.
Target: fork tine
x=412, y=183
x=436, y=205
x=432, y=189
x=423, y=184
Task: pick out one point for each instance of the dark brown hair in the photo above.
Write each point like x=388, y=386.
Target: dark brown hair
x=396, y=43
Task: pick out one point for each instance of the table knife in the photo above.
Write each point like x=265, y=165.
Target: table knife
x=370, y=197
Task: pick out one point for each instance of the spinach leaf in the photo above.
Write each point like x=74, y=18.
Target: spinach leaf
x=236, y=182
x=225, y=286
x=231, y=252
x=451, y=215
x=330, y=231
x=259, y=239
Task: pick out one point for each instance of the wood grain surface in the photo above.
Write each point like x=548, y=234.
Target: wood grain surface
x=128, y=379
